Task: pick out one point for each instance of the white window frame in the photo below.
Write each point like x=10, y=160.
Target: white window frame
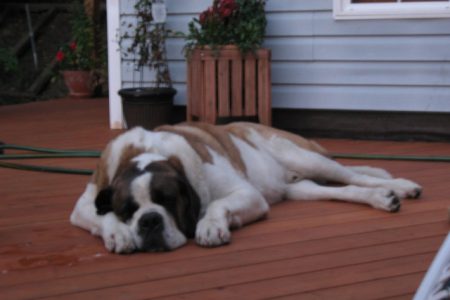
x=345, y=10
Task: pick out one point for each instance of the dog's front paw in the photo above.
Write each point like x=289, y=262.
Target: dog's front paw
x=212, y=232
x=385, y=199
x=117, y=236
x=404, y=188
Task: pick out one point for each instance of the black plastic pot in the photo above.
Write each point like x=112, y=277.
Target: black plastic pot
x=147, y=107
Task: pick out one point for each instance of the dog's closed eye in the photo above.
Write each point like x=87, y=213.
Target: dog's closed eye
x=103, y=201
x=127, y=209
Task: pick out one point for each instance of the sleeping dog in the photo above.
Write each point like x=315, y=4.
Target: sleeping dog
x=153, y=190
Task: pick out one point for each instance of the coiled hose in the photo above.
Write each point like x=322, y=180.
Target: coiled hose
x=42, y=153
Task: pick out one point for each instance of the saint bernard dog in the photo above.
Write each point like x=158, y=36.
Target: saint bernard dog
x=153, y=190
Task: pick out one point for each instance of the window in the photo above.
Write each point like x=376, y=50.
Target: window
x=391, y=9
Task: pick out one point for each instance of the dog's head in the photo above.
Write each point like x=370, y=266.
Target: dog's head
x=153, y=196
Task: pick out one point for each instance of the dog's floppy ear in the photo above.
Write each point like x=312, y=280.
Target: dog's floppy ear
x=190, y=202
x=176, y=165
x=171, y=188
x=190, y=208
x=103, y=201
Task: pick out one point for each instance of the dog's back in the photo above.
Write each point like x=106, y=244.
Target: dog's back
x=253, y=150
x=242, y=129
x=217, y=138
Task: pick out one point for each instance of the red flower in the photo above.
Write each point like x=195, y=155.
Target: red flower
x=228, y=4
x=206, y=15
x=59, y=56
x=73, y=46
x=225, y=12
x=227, y=7
x=203, y=17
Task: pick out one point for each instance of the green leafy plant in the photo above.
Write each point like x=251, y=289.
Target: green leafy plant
x=78, y=54
x=8, y=61
x=237, y=22
x=148, y=46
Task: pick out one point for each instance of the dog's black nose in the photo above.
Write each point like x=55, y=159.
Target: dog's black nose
x=151, y=222
x=151, y=226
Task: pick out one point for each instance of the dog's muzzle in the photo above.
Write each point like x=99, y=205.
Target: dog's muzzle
x=151, y=228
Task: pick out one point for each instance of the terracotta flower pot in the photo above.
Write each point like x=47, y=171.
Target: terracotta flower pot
x=79, y=83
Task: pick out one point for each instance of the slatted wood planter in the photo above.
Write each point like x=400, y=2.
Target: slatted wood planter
x=226, y=84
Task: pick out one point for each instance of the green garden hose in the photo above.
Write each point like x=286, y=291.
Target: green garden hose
x=392, y=157
x=45, y=153
x=45, y=168
x=45, y=150
x=55, y=153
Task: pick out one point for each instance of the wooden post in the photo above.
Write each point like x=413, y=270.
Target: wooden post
x=250, y=87
x=190, y=108
x=236, y=89
x=223, y=85
x=264, y=92
x=210, y=95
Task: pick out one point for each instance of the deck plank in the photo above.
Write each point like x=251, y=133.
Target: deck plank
x=280, y=277
x=387, y=288
x=228, y=260
x=313, y=280
x=358, y=250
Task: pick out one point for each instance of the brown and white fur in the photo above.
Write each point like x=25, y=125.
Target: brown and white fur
x=153, y=190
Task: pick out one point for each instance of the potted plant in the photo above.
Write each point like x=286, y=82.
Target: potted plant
x=75, y=59
x=148, y=106
x=228, y=70
x=241, y=23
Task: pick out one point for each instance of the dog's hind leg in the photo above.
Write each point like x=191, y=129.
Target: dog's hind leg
x=371, y=171
x=241, y=207
x=364, y=177
x=380, y=198
x=334, y=171
x=312, y=165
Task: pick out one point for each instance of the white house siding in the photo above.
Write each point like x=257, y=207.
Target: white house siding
x=321, y=63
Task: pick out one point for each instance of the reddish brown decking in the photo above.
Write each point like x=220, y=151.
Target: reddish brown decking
x=303, y=250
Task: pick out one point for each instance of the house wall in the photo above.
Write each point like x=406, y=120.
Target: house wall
x=321, y=63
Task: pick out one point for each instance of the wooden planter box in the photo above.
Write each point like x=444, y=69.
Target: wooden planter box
x=226, y=84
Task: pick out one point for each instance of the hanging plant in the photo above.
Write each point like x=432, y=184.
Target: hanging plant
x=148, y=46
x=147, y=106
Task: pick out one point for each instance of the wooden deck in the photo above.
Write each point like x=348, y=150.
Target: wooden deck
x=303, y=250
